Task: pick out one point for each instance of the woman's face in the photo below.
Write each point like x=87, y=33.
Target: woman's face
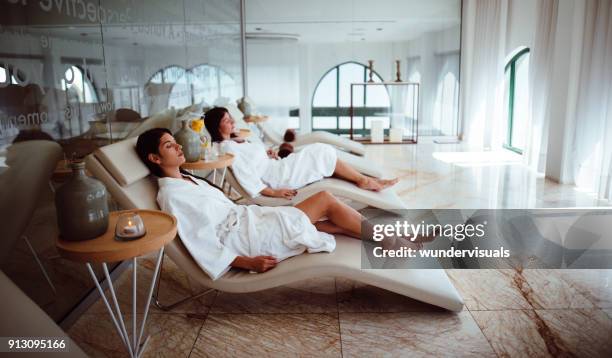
x=170, y=153
x=226, y=126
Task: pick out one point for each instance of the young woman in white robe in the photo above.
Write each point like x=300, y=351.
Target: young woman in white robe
x=262, y=172
x=220, y=234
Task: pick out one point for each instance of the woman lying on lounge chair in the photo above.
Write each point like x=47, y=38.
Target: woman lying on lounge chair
x=220, y=234
x=262, y=172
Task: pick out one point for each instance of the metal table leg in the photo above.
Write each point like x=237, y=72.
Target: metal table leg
x=223, y=178
x=134, y=348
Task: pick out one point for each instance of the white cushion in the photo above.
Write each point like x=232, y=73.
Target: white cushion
x=122, y=161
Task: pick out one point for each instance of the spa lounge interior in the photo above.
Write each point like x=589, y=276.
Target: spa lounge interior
x=503, y=106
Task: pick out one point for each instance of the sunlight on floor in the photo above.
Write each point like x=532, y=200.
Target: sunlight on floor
x=476, y=159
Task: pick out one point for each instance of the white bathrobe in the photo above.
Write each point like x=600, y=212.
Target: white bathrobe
x=255, y=171
x=215, y=230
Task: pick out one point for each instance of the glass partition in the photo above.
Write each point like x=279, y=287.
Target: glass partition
x=88, y=73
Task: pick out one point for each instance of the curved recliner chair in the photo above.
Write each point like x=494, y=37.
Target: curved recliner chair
x=129, y=182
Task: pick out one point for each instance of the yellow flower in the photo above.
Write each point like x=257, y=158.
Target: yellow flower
x=197, y=125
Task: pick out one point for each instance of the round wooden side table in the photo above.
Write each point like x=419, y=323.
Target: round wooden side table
x=160, y=230
x=222, y=162
x=244, y=133
x=255, y=119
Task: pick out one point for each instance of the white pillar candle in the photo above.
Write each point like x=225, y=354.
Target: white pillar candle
x=377, y=133
x=396, y=135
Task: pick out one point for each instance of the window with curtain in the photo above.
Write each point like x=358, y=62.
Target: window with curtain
x=517, y=100
x=77, y=83
x=332, y=100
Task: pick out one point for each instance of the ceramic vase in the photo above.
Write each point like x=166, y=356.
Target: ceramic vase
x=82, y=206
x=190, y=141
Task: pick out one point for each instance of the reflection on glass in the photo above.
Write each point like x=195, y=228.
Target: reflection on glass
x=75, y=81
x=86, y=80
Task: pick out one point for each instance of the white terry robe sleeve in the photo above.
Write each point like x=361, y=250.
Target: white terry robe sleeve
x=245, y=168
x=198, y=235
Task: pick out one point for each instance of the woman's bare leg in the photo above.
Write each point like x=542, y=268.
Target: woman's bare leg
x=346, y=172
x=342, y=219
x=331, y=228
x=324, y=204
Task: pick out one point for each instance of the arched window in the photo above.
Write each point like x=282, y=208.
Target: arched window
x=517, y=100
x=331, y=100
x=211, y=84
x=203, y=83
x=76, y=82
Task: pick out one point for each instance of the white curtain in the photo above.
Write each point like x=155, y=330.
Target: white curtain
x=483, y=47
x=540, y=72
x=447, y=95
x=590, y=151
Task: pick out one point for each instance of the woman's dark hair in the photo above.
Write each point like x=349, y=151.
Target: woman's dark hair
x=212, y=119
x=148, y=143
x=284, y=150
x=289, y=135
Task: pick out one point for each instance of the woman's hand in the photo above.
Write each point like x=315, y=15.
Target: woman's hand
x=263, y=263
x=279, y=193
x=285, y=193
x=272, y=154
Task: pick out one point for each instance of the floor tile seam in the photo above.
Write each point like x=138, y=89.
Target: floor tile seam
x=483, y=334
x=203, y=323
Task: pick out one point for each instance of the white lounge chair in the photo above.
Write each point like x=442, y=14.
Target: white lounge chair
x=386, y=199
x=301, y=139
x=128, y=181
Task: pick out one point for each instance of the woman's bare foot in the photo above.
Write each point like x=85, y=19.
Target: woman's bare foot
x=385, y=183
x=368, y=183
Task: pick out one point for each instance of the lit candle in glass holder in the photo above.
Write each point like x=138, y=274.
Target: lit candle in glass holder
x=129, y=227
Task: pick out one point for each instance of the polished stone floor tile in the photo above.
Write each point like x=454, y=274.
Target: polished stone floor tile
x=548, y=290
x=309, y=296
x=171, y=335
x=596, y=285
x=491, y=289
x=547, y=333
x=355, y=296
x=412, y=334
x=584, y=332
x=512, y=333
x=280, y=335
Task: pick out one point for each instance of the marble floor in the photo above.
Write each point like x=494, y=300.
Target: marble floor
x=507, y=312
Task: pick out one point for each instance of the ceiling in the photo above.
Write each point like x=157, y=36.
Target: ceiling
x=320, y=21
x=314, y=21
